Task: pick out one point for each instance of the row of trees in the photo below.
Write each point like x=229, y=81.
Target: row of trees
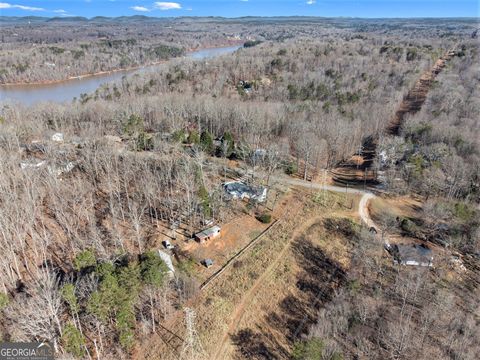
x=387, y=312
x=436, y=155
x=312, y=94
x=60, y=234
x=78, y=313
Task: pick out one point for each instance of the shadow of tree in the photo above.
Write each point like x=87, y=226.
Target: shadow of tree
x=251, y=344
x=315, y=287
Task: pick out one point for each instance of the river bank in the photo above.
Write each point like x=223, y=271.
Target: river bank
x=65, y=90
x=189, y=53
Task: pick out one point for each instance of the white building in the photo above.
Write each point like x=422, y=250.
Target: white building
x=167, y=259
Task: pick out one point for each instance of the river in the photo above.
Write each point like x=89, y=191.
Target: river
x=67, y=90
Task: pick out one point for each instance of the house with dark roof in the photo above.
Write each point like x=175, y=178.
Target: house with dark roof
x=239, y=190
x=411, y=255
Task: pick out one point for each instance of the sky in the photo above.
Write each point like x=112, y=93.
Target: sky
x=237, y=8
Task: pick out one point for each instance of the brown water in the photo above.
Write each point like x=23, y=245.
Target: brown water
x=67, y=90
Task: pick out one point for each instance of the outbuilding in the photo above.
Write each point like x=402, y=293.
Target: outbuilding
x=208, y=234
x=208, y=263
x=168, y=261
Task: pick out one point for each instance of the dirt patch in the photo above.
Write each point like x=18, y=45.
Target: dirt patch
x=404, y=207
x=234, y=236
x=416, y=97
x=290, y=291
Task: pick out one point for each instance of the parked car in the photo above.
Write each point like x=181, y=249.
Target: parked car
x=167, y=244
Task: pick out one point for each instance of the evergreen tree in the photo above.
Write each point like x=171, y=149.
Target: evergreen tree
x=206, y=142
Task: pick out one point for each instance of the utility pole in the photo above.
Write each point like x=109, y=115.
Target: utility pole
x=324, y=187
x=192, y=348
x=364, y=179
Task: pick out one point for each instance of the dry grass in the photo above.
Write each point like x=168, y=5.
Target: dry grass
x=263, y=278
x=394, y=207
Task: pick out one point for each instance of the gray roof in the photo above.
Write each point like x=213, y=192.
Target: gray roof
x=208, y=262
x=238, y=189
x=208, y=232
x=412, y=255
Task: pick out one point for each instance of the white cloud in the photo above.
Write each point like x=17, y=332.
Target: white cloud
x=244, y=0
x=311, y=2
x=167, y=5
x=139, y=8
x=21, y=7
x=60, y=11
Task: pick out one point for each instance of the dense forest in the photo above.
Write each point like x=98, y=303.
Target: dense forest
x=38, y=49
x=89, y=188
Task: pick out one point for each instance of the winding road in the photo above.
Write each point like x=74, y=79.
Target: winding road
x=240, y=308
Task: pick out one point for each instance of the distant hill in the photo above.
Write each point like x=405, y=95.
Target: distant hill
x=245, y=19
x=101, y=18
x=68, y=19
x=22, y=19
x=137, y=18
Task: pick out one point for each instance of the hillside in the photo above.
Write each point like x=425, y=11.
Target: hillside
x=195, y=211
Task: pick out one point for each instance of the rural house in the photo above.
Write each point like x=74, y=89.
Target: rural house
x=412, y=255
x=239, y=190
x=207, y=234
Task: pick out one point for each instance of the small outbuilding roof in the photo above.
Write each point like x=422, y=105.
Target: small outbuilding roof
x=208, y=262
x=167, y=259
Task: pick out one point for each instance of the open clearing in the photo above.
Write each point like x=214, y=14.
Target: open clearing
x=291, y=266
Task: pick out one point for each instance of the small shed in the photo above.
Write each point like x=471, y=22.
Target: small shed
x=208, y=234
x=208, y=263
